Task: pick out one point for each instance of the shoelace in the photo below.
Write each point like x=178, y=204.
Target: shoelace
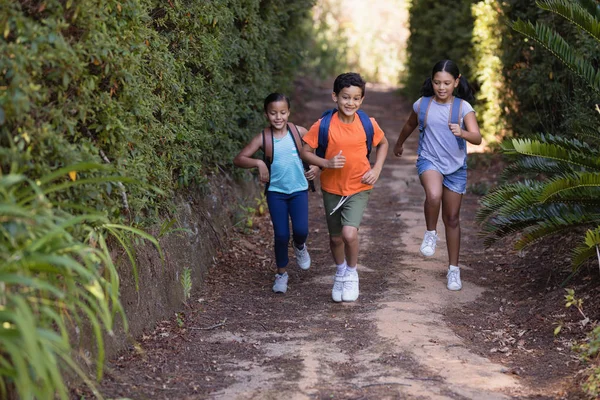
x=453, y=276
x=430, y=240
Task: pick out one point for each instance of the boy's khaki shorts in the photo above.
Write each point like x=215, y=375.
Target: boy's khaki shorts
x=349, y=214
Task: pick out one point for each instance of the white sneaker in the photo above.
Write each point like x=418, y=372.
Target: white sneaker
x=453, y=276
x=429, y=242
x=302, y=257
x=281, y=281
x=350, y=290
x=338, y=287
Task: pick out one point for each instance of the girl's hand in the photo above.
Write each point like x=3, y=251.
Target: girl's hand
x=398, y=150
x=263, y=171
x=312, y=172
x=370, y=177
x=455, y=128
x=337, y=161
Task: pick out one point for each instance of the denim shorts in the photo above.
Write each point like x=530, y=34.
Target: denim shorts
x=456, y=181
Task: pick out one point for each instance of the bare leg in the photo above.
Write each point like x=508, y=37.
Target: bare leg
x=451, y=217
x=432, y=183
x=336, y=244
x=350, y=238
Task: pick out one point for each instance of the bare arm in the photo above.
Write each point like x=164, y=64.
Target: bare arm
x=373, y=174
x=471, y=134
x=406, y=131
x=244, y=158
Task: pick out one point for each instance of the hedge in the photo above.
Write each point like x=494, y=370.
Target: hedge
x=166, y=91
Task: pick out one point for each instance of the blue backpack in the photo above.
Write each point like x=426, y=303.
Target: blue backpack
x=455, y=113
x=324, y=131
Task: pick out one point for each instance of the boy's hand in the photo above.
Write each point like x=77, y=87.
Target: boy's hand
x=455, y=128
x=263, y=171
x=370, y=177
x=398, y=150
x=337, y=161
x=312, y=172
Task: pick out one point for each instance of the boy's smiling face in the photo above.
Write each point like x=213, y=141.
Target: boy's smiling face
x=349, y=100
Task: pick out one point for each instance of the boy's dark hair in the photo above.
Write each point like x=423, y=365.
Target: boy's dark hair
x=273, y=97
x=464, y=90
x=348, y=79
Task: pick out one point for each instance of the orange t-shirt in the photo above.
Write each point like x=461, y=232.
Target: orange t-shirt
x=351, y=139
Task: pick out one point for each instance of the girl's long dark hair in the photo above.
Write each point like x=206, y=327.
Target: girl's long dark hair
x=464, y=90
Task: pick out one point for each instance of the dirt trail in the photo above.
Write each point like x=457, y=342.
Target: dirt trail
x=241, y=341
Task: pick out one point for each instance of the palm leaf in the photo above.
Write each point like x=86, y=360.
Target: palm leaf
x=572, y=182
x=556, y=45
x=537, y=148
x=575, y=13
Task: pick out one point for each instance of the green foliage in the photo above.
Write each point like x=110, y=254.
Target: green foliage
x=487, y=68
x=541, y=94
x=55, y=272
x=345, y=38
x=563, y=192
x=438, y=30
x=186, y=283
x=162, y=90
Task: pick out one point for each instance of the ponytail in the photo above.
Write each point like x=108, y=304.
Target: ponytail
x=427, y=88
x=464, y=90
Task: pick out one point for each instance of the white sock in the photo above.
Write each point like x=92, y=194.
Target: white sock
x=433, y=231
x=341, y=269
x=350, y=269
x=453, y=267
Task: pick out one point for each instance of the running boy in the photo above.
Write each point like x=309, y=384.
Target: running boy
x=347, y=177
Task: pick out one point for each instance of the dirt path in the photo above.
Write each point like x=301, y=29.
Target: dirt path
x=240, y=341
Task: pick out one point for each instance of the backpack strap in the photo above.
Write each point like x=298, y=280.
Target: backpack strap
x=324, y=131
x=298, y=142
x=267, y=139
x=267, y=145
x=369, y=130
x=423, y=111
x=455, y=118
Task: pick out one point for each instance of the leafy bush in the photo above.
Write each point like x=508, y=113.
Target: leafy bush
x=562, y=193
x=57, y=277
x=438, y=30
x=162, y=90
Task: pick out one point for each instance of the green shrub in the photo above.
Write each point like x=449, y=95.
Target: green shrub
x=162, y=90
x=56, y=278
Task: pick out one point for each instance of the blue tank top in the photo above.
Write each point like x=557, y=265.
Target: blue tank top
x=287, y=173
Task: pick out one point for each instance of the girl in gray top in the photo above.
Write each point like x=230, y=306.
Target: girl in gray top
x=445, y=120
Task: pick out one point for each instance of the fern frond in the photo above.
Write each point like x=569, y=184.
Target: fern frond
x=571, y=182
x=553, y=226
x=495, y=199
x=575, y=13
x=555, y=44
x=531, y=147
x=592, y=7
x=587, y=249
x=537, y=165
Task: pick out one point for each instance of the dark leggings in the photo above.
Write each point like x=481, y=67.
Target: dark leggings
x=294, y=205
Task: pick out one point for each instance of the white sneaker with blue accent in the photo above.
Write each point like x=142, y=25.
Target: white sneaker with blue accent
x=302, y=257
x=281, y=281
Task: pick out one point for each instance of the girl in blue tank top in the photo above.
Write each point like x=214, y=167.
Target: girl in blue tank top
x=287, y=185
x=441, y=161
